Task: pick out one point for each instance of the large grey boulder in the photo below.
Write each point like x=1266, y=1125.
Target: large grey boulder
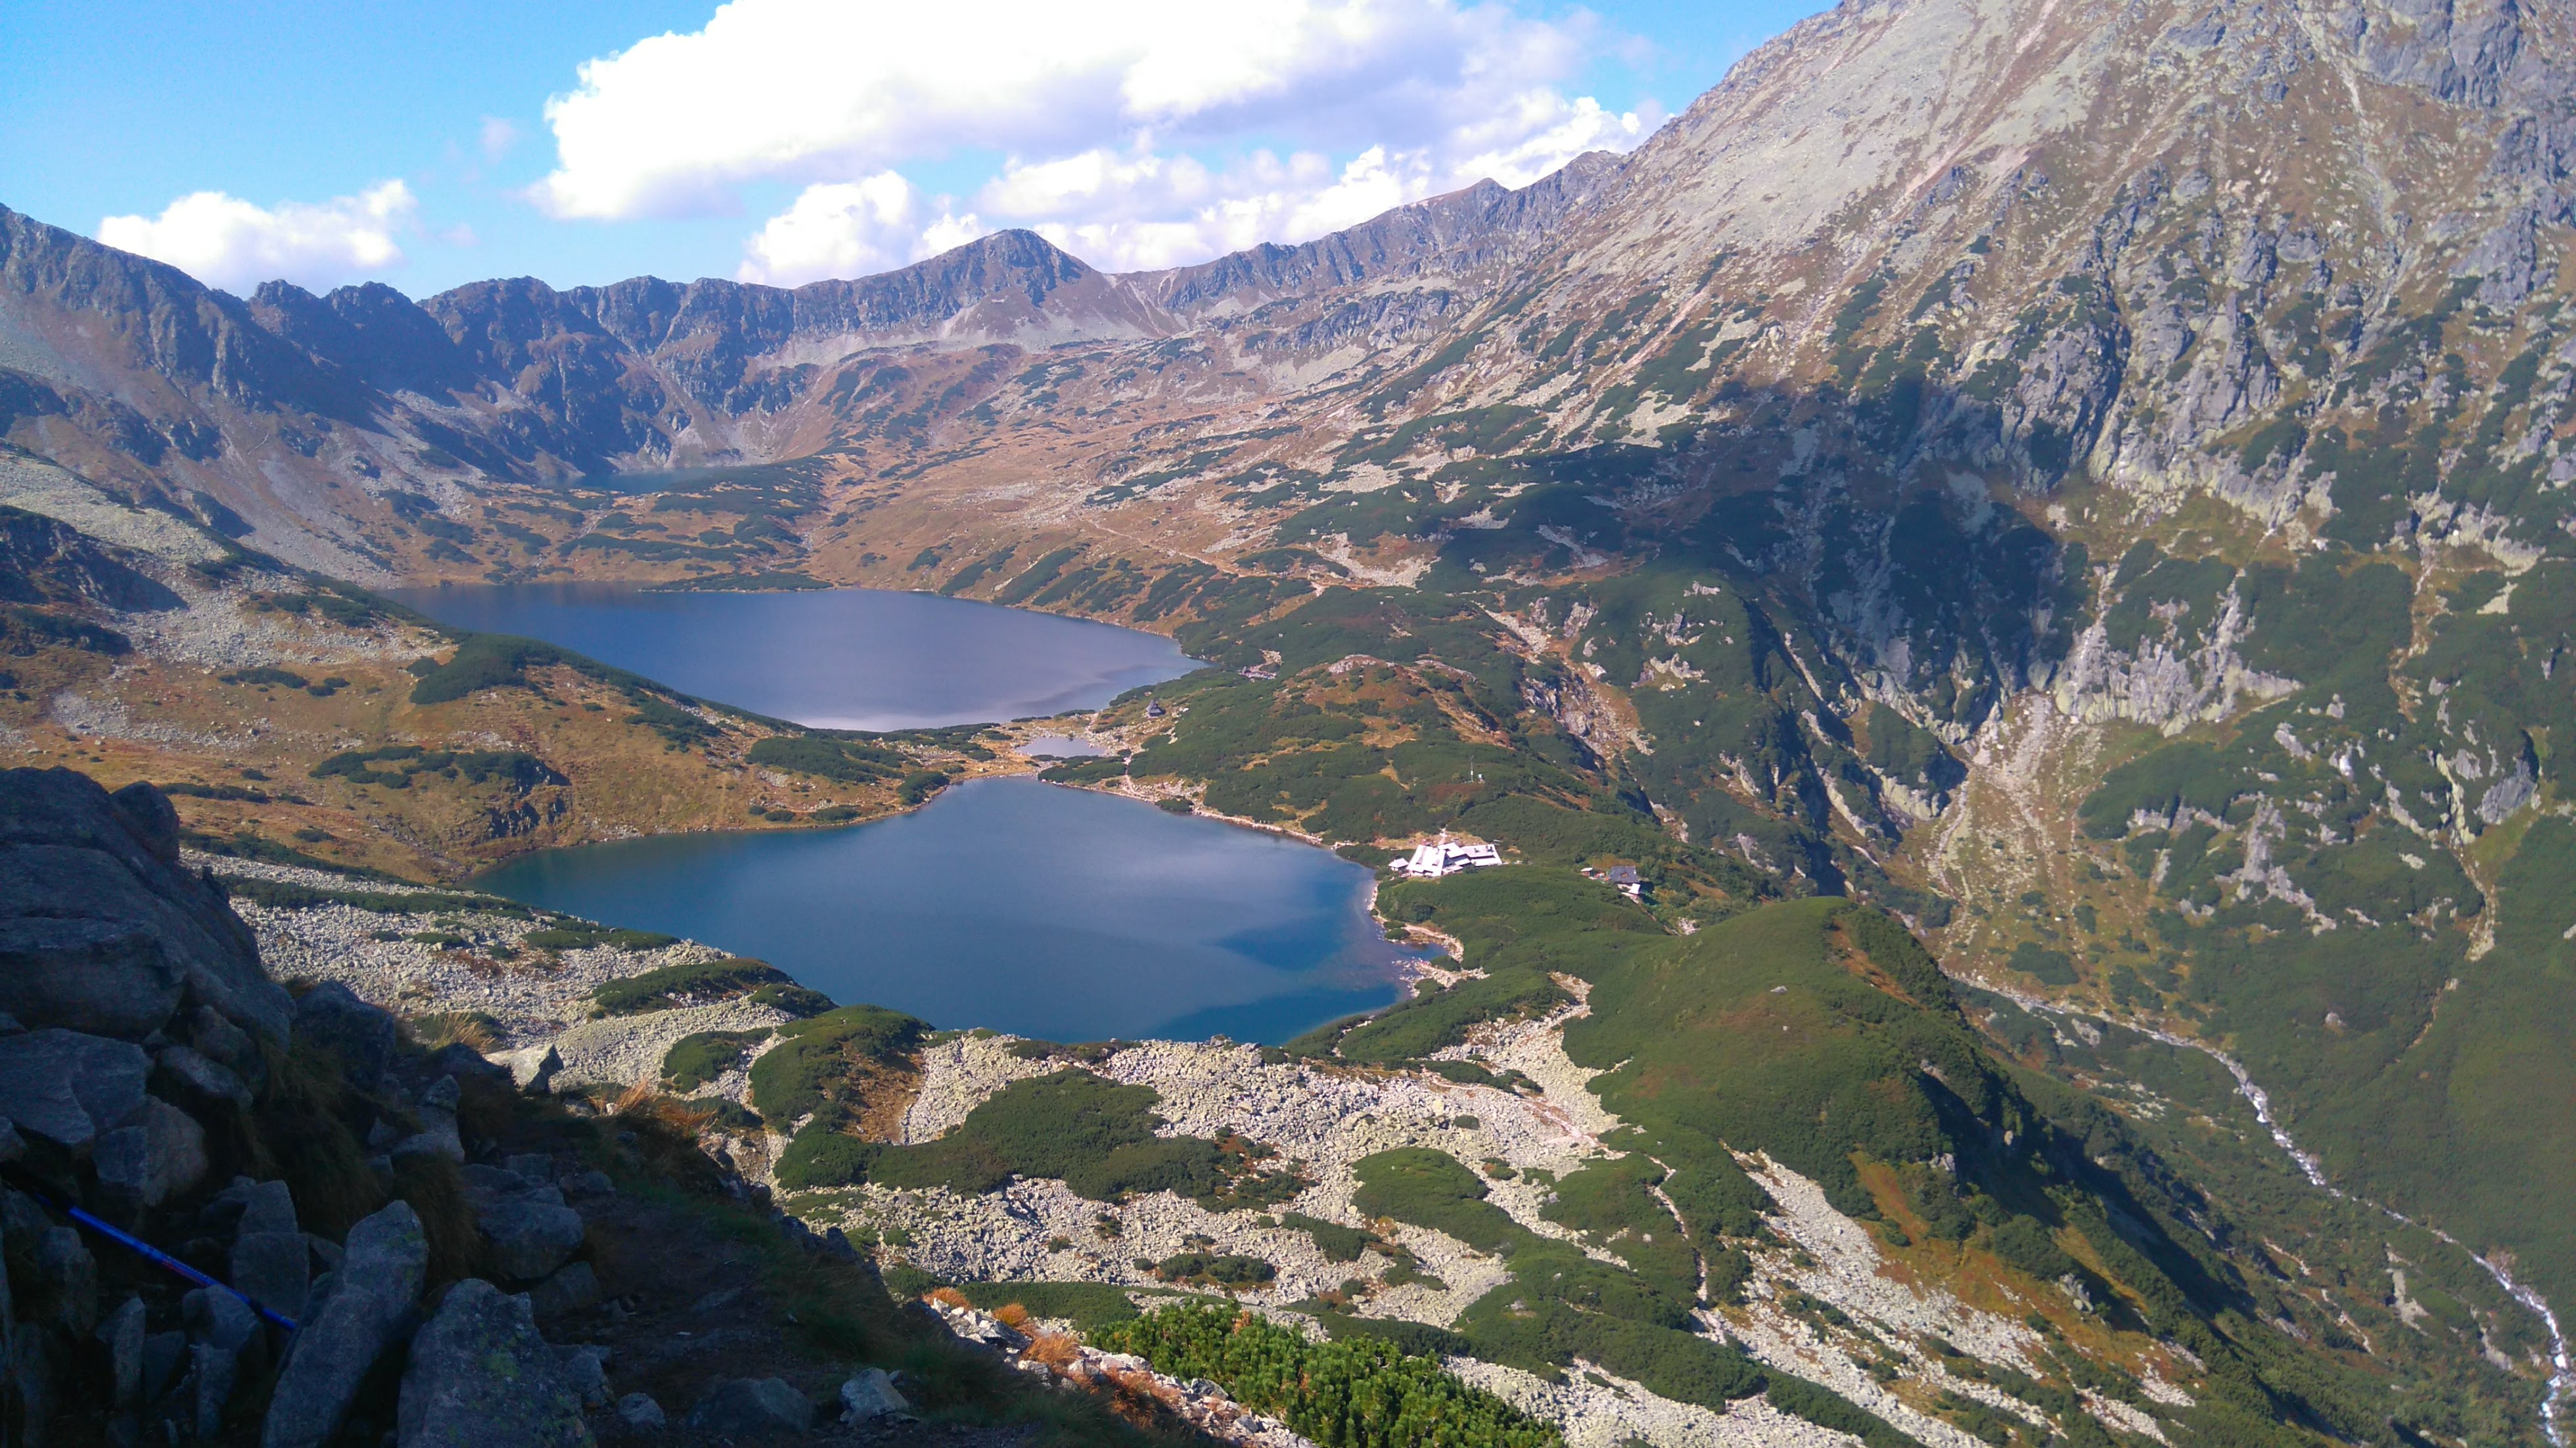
x=871, y=1395
x=481, y=1377
x=530, y=1230
x=270, y=1261
x=354, y=1317
x=162, y=1155
x=752, y=1407
x=332, y=1017
x=191, y=1075
x=638, y=1413
x=101, y=929
x=70, y=1087
x=573, y=1289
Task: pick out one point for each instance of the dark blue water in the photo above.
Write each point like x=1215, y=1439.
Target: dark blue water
x=1034, y=909
x=844, y=658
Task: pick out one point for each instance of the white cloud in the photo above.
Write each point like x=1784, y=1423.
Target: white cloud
x=496, y=136
x=852, y=228
x=1542, y=131
x=227, y=242
x=1144, y=133
x=1148, y=212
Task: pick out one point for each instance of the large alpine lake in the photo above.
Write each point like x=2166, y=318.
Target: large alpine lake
x=1008, y=903
x=1027, y=907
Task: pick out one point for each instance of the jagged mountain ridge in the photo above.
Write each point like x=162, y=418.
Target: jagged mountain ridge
x=127, y=364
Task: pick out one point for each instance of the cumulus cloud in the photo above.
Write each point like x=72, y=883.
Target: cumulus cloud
x=1143, y=210
x=852, y=228
x=826, y=89
x=1150, y=131
x=227, y=242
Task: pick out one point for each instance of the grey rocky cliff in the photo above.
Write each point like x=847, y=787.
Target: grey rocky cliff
x=101, y=930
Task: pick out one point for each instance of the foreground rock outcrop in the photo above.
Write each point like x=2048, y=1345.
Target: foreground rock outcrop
x=411, y=1249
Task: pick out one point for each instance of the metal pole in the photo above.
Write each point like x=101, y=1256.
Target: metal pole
x=151, y=1253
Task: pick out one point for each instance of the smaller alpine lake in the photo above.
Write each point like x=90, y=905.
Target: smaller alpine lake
x=842, y=658
x=1031, y=908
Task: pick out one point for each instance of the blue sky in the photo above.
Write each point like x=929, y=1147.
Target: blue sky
x=414, y=143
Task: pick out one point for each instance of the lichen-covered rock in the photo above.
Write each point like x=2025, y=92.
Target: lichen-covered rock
x=101, y=930
x=354, y=1317
x=481, y=1377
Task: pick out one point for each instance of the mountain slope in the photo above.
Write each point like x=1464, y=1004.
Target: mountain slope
x=2093, y=481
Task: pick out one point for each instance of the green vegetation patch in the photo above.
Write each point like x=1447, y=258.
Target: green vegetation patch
x=1098, y=1137
x=823, y=1063
x=283, y=895
x=1337, y=1242
x=28, y=629
x=1428, y=1188
x=395, y=766
x=482, y=661
x=567, y=934
x=1350, y=1393
x=833, y=757
x=1532, y=923
x=698, y=983
x=1089, y=1306
x=247, y=845
x=1228, y=1270
x=698, y=1058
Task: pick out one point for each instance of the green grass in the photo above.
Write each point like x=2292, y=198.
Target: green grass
x=1215, y=1269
